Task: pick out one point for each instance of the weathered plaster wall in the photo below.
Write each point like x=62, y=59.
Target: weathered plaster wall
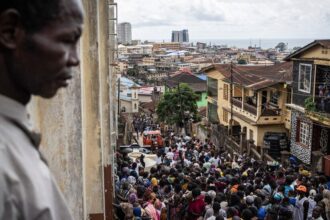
x=303, y=153
x=92, y=151
x=59, y=121
x=78, y=134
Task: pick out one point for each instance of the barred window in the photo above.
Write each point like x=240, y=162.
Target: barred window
x=304, y=133
x=225, y=116
x=305, y=77
x=225, y=91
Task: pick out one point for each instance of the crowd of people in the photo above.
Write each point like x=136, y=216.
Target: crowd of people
x=143, y=122
x=194, y=180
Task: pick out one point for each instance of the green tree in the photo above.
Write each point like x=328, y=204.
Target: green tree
x=177, y=106
x=310, y=104
x=134, y=72
x=281, y=46
x=241, y=61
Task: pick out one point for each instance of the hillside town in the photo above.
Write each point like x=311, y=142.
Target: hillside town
x=257, y=107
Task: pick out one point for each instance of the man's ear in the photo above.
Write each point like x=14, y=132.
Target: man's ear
x=10, y=27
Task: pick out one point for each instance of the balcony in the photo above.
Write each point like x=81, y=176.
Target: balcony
x=250, y=108
x=237, y=101
x=323, y=105
x=271, y=112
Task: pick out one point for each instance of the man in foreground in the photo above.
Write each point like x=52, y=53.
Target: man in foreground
x=38, y=40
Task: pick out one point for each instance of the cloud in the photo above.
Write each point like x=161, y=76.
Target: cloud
x=202, y=14
x=152, y=23
x=227, y=18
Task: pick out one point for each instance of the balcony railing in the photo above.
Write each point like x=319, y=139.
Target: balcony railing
x=323, y=105
x=250, y=108
x=237, y=101
x=271, y=112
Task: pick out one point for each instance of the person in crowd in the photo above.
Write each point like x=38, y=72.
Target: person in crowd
x=206, y=183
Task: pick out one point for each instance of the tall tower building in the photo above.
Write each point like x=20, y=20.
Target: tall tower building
x=185, y=36
x=180, y=36
x=124, y=31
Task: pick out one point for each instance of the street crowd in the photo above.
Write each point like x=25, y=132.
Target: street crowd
x=194, y=180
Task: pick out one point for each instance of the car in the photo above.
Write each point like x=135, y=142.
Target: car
x=135, y=147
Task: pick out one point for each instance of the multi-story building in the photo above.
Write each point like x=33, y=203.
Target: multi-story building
x=249, y=99
x=122, y=66
x=310, y=107
x=201, y=46
x=168, y=46
x=148, y=61
x=124, y=33
x=137, y=49
x=180, y=36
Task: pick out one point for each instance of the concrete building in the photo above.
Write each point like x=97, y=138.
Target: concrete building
x=124, y=33
x=168, y=46
x=310, y=106
x=79, y=125
x=251, y=99
x=180, y=36
x=201, y=46
x=129, y=102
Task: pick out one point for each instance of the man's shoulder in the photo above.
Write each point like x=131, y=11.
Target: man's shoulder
x=9, y=132
x=6, y=129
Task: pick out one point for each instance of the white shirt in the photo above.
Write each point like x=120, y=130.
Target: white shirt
x=27, y=188
x=170, y=155
x=158, y=160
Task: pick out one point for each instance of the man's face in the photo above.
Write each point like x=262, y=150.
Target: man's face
x=43, y=61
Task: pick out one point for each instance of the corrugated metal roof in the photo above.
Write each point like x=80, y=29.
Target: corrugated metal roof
x=256, y=77
x=195, y=83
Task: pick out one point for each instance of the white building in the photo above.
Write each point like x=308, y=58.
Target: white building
x=124, y=31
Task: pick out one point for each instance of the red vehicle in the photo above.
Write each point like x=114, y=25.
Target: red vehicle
x=152, y=139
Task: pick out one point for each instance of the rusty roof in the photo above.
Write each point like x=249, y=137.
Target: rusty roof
x=195, y=83
x=256, y=77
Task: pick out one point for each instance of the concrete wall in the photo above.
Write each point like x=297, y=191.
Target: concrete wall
x=203, y=101
x=59, y=121
x=127, y=105
x=78, y=126
x=317, y=51
x=269, y=128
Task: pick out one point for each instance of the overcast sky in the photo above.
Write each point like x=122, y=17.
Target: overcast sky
x=227, y=19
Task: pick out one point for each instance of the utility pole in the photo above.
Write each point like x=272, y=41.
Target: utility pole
x=231, y=99
x=118, y=96
x=181, y=112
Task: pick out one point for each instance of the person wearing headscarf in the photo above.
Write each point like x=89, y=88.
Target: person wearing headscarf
x=154, y=181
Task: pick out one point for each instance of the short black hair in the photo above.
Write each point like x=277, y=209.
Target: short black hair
x=35, y=14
